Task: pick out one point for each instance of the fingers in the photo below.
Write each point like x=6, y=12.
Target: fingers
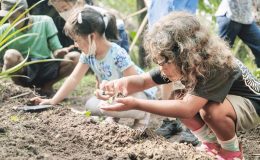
x=114, y=107
x=36, y=100
x=107, y=86
x=70, y=48
x=103, y=95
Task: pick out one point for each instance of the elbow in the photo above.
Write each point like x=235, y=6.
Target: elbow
x=188, y=114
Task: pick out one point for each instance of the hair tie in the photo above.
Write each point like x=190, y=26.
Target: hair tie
x=80, y=18
x=105, y=19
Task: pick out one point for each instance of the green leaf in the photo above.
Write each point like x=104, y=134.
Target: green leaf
x=17, y=38
x=88, y=113
x=12, y=11
x=14, y=118
x=110, y=100
x=5, y=39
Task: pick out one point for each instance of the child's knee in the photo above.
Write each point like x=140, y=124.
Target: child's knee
x=12, y=57
x=73, y=56
x=211, y=113
x=93, y=105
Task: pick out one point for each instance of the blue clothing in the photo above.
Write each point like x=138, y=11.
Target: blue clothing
x=237, y=10
x=235, y=18
x=248, y=33
x=160, y=8
x=123, y=37
x=113, y=65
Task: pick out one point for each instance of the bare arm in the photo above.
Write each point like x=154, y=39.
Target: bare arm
x=128, y=85
x=186, y=108
x=70, y=83
x=138, y=83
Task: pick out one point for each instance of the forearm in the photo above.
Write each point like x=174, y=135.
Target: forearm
x=137, y=83
x=68, y=86
x=168, y=108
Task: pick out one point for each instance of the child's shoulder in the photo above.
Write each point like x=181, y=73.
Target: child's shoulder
x=116, y=49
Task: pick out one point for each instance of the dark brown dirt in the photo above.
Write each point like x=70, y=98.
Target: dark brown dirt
x=59, y=133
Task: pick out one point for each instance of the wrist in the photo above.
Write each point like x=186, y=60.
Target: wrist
x=53, y=102
x=137, y=103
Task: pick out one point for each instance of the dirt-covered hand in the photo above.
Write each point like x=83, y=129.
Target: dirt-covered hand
x=115, y=86
x=103, y=95
x=121, y=104
x=38, y=100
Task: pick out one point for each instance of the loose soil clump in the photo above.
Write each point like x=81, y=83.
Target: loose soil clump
x=58, y=133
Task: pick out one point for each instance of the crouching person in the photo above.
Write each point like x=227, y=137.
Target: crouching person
x=107, y=60
x=45, y=45
x=220, y=98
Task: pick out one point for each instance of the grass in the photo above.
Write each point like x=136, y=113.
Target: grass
x=85, y=87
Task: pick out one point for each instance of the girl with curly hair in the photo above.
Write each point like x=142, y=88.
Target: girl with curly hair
x=220, y=97
x=106, y=59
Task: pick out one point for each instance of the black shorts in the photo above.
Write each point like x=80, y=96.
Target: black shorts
x=40, y=73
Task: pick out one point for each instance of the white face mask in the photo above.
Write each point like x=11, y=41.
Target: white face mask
x=66, y=14
x=92, y=46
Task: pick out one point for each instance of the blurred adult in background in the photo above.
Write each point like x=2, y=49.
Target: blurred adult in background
x=45, y=9
x=45, y=45
x=235, y=18
x=157, y=9
x=115, y=31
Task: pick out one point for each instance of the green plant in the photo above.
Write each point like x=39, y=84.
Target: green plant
x=88, y=113
x=6, y=38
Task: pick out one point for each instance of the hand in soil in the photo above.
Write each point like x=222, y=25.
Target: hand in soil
x=38, y=100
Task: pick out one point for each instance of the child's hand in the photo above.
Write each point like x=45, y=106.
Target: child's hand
x=121, y=104
x=38, y=100
x=115, y=86
x=103, y=95
x=62, y=52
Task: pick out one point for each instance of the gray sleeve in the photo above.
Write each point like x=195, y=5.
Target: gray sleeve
x=216, y=87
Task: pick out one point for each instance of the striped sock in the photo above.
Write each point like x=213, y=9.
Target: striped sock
x=230, y=145
x=205, y=134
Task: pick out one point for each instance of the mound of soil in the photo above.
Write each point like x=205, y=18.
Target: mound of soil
x=9, y=91
x=61, y=134
x=58, y=133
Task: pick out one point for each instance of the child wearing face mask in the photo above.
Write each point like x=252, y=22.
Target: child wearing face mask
x=107, y=60
x=115, y=31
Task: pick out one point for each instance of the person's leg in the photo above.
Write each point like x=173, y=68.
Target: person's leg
x=228, y=29
x=169, y=126
x=65, y=69
x=221, y=118
x=221, y=121
x=250, y=35
x=141, y=118
x=93, y=104
x=173, y=126
x=11, y=58
x=123, y=37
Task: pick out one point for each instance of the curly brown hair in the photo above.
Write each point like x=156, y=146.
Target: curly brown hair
x=182, y=39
